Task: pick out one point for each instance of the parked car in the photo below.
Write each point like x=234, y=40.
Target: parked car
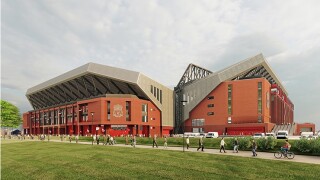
x=259, y=135
x=16, y=132
x=282, y=134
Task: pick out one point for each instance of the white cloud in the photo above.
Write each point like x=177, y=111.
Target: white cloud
x=43, y=39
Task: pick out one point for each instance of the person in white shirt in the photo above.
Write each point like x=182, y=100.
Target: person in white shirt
x=165, y=145
x=222, y=143
x=187, y=142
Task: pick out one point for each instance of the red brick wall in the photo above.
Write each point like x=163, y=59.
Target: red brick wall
x=305, y=125
x=244, y=105
x=99, y=107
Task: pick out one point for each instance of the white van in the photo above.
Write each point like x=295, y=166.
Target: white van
x=212, y=135
x=282, y=134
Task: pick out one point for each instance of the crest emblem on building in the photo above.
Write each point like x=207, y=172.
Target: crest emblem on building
x=117, y=110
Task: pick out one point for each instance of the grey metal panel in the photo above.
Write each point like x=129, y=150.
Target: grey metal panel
x=166, y=106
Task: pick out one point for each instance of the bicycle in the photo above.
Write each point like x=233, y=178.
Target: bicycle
x=282, y=152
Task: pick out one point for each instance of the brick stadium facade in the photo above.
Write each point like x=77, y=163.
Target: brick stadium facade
x=98, y=99
x=242, y=99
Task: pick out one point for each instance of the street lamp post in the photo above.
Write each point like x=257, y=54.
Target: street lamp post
x=182, y=121
x=92, y=125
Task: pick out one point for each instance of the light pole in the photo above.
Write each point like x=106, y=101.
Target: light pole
x=92, y=125
x=182, y=121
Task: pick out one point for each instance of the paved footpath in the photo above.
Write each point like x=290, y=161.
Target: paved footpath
x=261, y=155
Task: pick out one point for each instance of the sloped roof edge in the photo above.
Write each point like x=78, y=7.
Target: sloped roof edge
x=94, y=68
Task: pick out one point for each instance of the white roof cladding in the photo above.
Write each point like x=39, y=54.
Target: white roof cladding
x=112, y=72
x=200, y=88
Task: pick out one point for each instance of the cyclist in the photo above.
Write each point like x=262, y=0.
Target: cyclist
x=286, y=147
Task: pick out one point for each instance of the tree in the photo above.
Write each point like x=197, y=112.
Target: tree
x=10, y=116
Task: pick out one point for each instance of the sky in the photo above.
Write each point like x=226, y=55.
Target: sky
x=42, y=39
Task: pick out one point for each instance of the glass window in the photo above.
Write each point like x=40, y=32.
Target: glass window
x=197, y=122
x=259, y=97
x=144, y=118
x=229, y=99
x=210, y=113
x=128, y=105
x=108, y=111
x=210, y=105
x=144, y=107
x=158, y=94
x=210, y=97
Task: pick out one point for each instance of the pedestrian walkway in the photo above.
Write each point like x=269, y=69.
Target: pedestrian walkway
x=261, y=155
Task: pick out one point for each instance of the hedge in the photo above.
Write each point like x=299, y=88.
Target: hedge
x=302, y=146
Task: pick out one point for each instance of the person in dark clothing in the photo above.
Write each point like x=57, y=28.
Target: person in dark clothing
x=98, y=139
x=154, y=142
x=254, y=148
x=200, y=144
x=235, y=145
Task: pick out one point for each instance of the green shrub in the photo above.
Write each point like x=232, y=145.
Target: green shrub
x=302, y=145
x=244, y=143
x=266, y=143
x=315, y=145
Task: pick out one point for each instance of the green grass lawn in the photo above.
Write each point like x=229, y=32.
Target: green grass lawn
x=49, y=160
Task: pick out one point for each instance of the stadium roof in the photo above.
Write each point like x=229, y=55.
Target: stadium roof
x=89, y=81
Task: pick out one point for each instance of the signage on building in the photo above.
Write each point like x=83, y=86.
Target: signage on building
x=117, y=110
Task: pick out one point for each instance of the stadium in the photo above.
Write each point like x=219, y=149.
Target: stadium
x=242, y=99
x=99, y=99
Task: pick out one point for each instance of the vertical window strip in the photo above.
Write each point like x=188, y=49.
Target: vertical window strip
x=229, y=99
x=259, y=97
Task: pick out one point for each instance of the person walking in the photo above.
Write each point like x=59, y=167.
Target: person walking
x=187, y=142
x=70, y=138
x=98, y=139
x=126, y=139
x=111, y=140
x=200, y=144
x=222, y=144
x=235, y=145
x=254, y=148
x=77, y=139
x=94, y=138
x=154, y=142
x=165, y=145
x=108, y=140
x=134, y=141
